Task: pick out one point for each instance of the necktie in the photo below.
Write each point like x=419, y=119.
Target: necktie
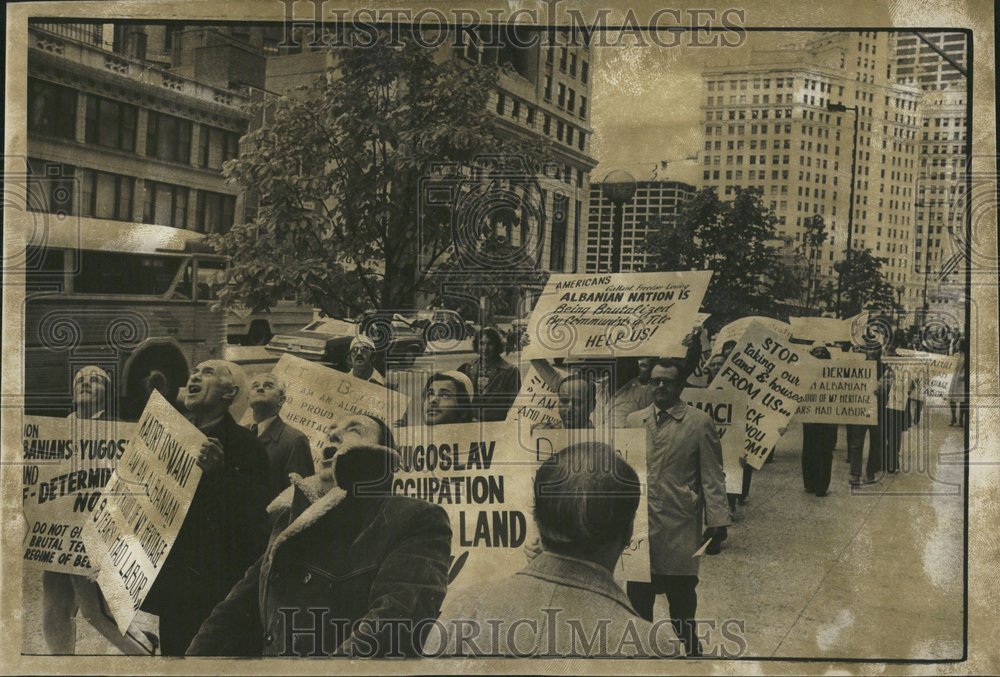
x=661, y=417
x=253, y=429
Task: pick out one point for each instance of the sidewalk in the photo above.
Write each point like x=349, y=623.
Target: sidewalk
x=874, y=574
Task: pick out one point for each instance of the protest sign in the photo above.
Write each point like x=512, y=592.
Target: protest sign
x=67, y=463
x=735, y=329
x=772, y=375
x=828, y=329
x=934, y=379
x=616, y=315
x=728, y=412
x=133, y=527
x=316, y=395
x=536, y=404
x=906, y=375
x=844, y=393
x=483, y=477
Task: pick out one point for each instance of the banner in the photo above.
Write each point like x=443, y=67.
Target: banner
x=772, y=375
x=133, y=528
x=734, y=330
x=725, y=408
x=67, y=463
x=616, y=315
x=315, y=395
x=828, y=329
x=844, y=393
x=483, y=478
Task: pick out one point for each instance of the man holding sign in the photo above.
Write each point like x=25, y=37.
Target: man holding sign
x=225, y=527
x=687, y=488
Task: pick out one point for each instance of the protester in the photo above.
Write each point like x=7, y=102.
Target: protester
x=712, y=368
x=956, y=392
x=636, y=394
x=495, y=380
x=64, y=594
x=447, y=398
x=818, y=442
x=287, y=447
x=361, y=357
x=585, y=500
x=687, y=489
x=897, y=401
x=225, y=527
x=577, y=398
x=857, y=433
x=350, y=569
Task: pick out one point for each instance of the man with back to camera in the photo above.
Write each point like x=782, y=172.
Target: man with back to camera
x=687, y=489
x=287, y=447
x=225, y=529
x=585, y=499
x=363, y=567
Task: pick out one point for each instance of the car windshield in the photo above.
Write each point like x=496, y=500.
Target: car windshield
x=332, y=326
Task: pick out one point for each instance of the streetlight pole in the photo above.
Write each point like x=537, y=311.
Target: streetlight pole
x=619, y=187
x=841, y=108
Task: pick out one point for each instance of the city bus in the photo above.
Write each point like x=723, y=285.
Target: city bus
x=138, y=300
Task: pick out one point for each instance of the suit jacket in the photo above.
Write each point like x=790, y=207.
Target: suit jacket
x=224, y=531
x=686, y=485
x=340, y=563
x=287, y=452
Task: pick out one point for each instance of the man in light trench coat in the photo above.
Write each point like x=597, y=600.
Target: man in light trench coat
x=687, y=489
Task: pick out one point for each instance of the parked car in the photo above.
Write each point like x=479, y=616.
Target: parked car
x=439, y=324
x=249, y=328
x=328, y=340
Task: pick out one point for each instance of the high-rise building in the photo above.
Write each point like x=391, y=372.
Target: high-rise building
x=115, y=133
x=939, y=244
x=654, y=202
x=917, y=63
x=777, y=124
x=544, y=93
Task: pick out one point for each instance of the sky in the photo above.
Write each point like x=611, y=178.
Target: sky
x=647, y=103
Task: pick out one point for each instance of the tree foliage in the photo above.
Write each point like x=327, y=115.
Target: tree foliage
x=339, y=167
x=863, y=286
x=737, y=240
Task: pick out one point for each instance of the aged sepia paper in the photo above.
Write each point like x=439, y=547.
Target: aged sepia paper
x=170, y=189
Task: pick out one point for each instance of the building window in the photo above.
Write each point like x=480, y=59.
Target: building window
x=559, y=129
x=111, y=123
x=501, y=103
x=165, y=204
x=569, y=134
x=557, y=251
x=547, y=126
x=51, y=109
x=215, y=146
x=571, y=103
x=584, y=71
x=548, y=88
x=215, y=212
x=572, y=65
x=561, y=101
x=581, y=139
x=51, y=187
x=168, y=138
x=531, y=115
x=515, y=111
x=106, y=196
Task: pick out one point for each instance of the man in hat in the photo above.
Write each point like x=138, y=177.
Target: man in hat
x=361, y=357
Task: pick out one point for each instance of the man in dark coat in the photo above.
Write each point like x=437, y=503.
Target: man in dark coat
x=350, y=570
x=225, y=529
x=287, y=447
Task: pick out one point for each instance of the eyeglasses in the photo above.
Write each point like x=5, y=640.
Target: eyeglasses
x=657, y=382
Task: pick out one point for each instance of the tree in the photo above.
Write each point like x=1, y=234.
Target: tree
x=340, y=168
x=735, y=239
x=813, y=239
x=863, y=286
